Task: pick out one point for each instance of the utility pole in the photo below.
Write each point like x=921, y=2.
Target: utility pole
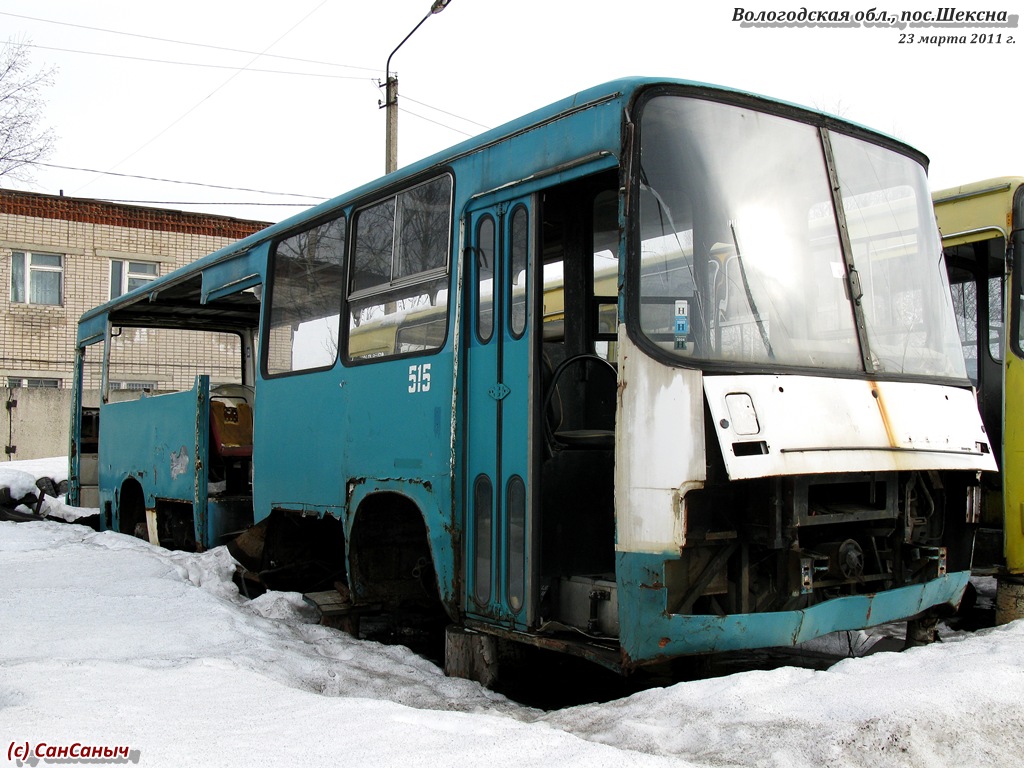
x=391, y=96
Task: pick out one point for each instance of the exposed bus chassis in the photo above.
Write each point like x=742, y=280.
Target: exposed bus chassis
x=786, y=543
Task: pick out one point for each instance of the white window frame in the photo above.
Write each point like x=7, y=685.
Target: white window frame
x=127, y=269
x=34, y=382
x=28, y=270
x=134, y=386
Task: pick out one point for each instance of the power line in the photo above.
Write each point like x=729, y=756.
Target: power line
x=185, y=42
x=450, y=114
x=175, y=181
x=218, y=66
x=215, y=90
x=269, y=72
x=435, y=122
x=195, y=64
x=223, y=66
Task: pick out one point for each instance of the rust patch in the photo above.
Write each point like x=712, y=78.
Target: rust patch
x=883, y=412
x=350, y=488
x=663, y=642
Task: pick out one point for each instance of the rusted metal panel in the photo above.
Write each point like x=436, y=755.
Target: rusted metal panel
x=422, y=496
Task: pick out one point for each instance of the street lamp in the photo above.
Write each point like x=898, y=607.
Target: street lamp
x=391, y=96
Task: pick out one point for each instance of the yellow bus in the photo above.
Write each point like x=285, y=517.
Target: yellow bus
x=981, y=227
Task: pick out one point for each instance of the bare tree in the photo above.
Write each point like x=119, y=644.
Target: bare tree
x=23, y=141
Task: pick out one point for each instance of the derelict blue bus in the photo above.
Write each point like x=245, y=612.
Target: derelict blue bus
x=660, y=369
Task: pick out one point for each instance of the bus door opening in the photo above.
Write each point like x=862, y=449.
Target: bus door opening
x=578, y=400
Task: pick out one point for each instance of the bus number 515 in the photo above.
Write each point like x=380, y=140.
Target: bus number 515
x=419, y=378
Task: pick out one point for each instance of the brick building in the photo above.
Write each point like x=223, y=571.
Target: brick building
x=60, y=256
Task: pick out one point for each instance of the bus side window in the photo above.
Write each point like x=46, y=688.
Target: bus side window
x=995, y=318
x=398, y=285
x=305, y=300
x=605, y=290
x=964, y=291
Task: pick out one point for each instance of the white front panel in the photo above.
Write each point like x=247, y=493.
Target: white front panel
x=659, y=449
x=809, y=424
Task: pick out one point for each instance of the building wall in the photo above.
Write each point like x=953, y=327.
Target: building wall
x=36, y=423
x=37, y=341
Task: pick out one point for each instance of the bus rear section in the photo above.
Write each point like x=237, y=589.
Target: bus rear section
x=162, y=424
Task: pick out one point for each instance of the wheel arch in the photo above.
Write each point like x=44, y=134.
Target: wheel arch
x=394, y=555
x=130, y=507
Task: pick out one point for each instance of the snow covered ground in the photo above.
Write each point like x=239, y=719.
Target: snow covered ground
x=110, y=642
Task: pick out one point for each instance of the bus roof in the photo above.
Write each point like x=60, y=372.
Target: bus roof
x=976, y=211
x=131, y=308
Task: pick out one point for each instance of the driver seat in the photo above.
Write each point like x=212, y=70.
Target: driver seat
x=589, y=424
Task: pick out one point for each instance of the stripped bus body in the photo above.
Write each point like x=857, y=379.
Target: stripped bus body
x=612, y=379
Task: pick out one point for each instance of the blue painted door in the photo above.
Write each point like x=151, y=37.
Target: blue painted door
x=499, y=405
x=297, y=443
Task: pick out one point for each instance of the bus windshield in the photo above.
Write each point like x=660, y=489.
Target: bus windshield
x=741, y=258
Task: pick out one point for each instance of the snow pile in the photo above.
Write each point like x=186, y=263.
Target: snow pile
x=37, y=488
x=956, y=703
x=112, y=642
x=18, y=484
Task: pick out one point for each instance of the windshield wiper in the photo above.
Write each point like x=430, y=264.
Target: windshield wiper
x=750, y=296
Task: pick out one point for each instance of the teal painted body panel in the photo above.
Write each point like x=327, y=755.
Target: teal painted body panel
x=397, y=436
x=92, y=329
x=297, y=438
x=236, y=273
x=316, y=431
x=649, y=632
x=162, y=443
x=324, y=441
x=498, y=401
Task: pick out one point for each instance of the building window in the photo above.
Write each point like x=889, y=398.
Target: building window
x=17, y=382
x=134, y=386
x=37, y=278
x=126, y=276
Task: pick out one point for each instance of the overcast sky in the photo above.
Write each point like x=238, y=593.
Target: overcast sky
x=129, y=98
